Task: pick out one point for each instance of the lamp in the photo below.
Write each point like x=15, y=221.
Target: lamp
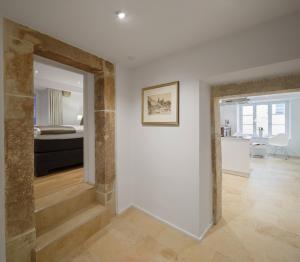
x=79, y=117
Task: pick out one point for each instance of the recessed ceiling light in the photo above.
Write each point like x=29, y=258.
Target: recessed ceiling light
x=121, y=15
x=36, y=71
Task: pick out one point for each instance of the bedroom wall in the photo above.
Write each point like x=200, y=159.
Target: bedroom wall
x=72, y=106
x=2, y=195
x=167, y=162
x=42, y=107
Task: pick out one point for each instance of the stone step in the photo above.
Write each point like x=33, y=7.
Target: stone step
x=69, y=235
x=56, y=208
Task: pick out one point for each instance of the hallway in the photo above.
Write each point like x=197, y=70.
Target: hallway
x=260, y=223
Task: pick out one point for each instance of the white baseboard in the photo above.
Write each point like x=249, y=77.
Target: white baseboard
x=172, y=225
x=119, y=212
x=206, y=230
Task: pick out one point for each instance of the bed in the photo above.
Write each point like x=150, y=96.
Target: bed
x=57, y=147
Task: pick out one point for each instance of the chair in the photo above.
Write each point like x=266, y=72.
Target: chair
x=279, y=142
x=258, y=149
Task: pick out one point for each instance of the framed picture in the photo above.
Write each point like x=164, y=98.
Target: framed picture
x=160, y=104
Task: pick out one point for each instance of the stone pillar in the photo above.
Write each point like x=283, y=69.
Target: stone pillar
x=105, y=136
x=216, y=160
x=20, y=44
x=18, y=82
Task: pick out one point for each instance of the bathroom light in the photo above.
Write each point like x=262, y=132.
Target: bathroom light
x=121, y=15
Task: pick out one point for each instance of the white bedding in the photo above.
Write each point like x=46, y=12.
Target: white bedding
x=78, y=134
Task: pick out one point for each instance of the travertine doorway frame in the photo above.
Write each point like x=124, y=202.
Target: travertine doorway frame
x=20, y=45
x=283, y=84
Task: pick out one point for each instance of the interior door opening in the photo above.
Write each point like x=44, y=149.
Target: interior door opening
x=63, y=127
x=260, y=152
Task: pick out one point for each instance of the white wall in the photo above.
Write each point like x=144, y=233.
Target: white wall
x=171, y=166
x=2, y=195
x=166, y=159
x=158, y=167
x=42, y=108
x=89, y=128
x=123, y=139
x=72, y=106
x=205, y=163
x=229, y=112
x=294, y=143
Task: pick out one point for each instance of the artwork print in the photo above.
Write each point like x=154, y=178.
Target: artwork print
x=160, y=104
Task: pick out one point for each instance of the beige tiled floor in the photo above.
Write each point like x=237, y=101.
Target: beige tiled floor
x=261, y=222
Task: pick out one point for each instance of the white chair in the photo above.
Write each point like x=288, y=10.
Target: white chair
x=279, y=142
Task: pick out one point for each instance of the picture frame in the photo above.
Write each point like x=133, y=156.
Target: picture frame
x=160, y=105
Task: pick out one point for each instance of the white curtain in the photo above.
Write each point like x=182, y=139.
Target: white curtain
x=55, y=107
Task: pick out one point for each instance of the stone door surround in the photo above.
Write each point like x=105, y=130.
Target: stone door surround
x=20, y=45
x=272, y=85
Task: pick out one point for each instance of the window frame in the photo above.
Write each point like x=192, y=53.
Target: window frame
x=270, y=124
x=241, y=118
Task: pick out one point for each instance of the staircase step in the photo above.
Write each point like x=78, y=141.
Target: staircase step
x=56, y=243
x=51, y=210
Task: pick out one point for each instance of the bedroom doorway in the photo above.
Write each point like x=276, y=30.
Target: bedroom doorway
x=63, y=137
x=24, y=231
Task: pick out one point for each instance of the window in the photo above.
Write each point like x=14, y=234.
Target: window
x=247, y=120
x=278, y=119
x=262, y=118
x=270, y=118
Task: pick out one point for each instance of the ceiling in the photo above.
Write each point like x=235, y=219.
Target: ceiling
x=152, y=28
x=55, y=77
x=260, y=72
